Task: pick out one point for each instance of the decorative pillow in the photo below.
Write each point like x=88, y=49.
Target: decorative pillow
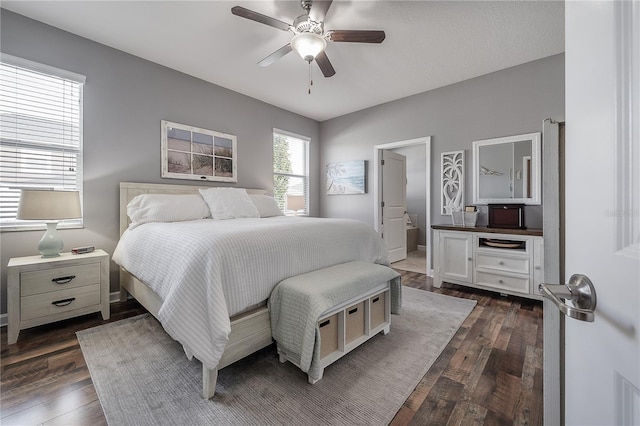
x=166, y=208
x=229, y=203
x=267, y=206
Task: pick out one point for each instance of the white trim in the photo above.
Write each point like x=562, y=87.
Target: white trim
x=627, y=138
x=115, y=297
x=290, y=134
x=376, y=179
x=43, y=68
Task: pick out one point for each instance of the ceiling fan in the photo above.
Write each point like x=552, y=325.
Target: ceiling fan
x=310, y=37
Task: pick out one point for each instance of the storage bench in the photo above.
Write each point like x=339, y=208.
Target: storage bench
x=320, y=316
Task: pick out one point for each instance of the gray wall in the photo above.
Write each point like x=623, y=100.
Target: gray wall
x=416, y=186
x=125, y=98
x=508, y=102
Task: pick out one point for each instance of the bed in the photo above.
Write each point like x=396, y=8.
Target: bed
x=219, y=273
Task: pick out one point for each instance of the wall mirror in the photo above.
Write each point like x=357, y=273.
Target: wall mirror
x=507, y=170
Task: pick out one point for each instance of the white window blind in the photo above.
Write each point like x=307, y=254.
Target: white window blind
x=290, y=168
x=40, y=134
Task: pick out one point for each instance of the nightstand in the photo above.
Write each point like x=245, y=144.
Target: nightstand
x=43, y=290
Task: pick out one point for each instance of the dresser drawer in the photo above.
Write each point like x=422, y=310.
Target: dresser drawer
x=51, y=303
x=519, y=265
x=61, y=278
x=503, y=282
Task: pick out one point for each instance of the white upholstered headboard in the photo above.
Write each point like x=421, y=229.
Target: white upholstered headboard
x=128, y=190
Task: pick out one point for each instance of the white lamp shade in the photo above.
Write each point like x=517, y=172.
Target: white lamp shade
x=308, y=45
x=37, y=204
x=295, y=202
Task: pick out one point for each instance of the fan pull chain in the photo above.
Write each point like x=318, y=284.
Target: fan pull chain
x=310, y=80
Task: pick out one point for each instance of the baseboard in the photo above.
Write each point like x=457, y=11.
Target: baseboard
x=422, y=248
x=113, y=298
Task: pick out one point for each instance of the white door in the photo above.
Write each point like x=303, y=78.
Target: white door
x=602, y=358
x=394, y=204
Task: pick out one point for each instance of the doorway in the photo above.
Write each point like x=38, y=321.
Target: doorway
x=425, y=220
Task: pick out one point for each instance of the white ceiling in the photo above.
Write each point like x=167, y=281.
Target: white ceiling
x=429, y=44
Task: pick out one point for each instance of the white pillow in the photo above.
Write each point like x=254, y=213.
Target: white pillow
x=146, y=208
x=267, y=206
x=229, y=203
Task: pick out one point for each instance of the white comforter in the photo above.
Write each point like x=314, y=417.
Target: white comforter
x=207, y=270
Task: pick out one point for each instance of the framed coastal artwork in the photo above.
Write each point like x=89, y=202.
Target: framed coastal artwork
x=197, y=154
x=347, y=177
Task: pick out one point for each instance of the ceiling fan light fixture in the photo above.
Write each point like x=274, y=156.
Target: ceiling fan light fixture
x=308, y=45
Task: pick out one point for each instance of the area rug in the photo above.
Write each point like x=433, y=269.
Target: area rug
x=143, y=377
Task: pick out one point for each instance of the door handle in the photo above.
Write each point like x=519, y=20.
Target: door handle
x=579, y=290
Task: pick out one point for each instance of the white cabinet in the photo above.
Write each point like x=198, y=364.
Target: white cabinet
x=454, y=255
x=497, y=260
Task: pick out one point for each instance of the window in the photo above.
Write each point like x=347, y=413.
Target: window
x=40, y=135
x=291, y=172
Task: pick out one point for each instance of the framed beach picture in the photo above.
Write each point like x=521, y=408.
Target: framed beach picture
x=347, y=177
x=197, y=154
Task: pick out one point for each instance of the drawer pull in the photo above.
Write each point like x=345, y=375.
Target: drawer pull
x=501, y=263
x=63, y=302
x=375, y=300
x=501, y=282
x=353, y=311
x=63, y=280
x=327, y=322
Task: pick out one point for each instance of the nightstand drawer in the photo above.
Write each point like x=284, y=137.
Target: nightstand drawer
x=56, y=279
x=51, y=303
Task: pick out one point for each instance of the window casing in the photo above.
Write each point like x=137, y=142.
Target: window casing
x=40, y=135
x=290, y=169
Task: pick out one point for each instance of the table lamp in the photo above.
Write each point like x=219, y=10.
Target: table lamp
x=50, y=206
x=295, y=203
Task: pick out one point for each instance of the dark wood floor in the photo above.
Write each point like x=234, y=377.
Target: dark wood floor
x=490, y=373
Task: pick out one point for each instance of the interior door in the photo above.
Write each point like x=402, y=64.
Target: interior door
x=394, y=204
x=602, y=358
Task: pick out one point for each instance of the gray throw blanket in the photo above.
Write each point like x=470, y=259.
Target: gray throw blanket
x=297, y=303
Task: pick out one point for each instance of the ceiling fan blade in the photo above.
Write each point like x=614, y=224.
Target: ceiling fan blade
x=319, y=9
x=325, y=65
x=275, y=55
x=259, y=17
x=356, y=36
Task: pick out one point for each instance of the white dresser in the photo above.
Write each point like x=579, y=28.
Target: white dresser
x=508, y=261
